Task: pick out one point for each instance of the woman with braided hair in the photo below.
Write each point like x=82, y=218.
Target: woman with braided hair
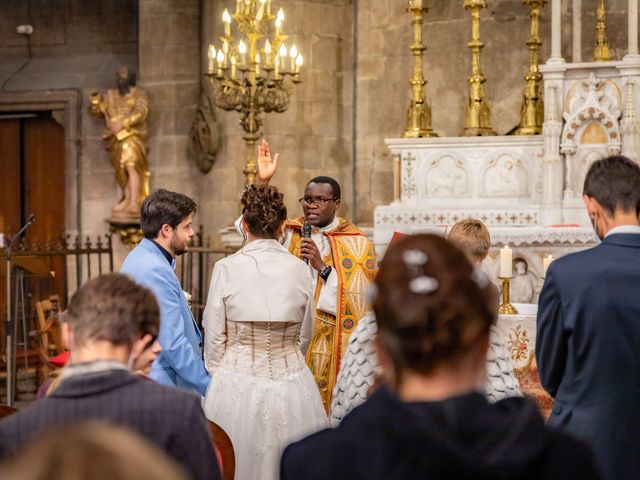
x=429, y=420
x=257, y=325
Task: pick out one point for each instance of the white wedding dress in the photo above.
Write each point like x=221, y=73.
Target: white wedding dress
x=257, y=320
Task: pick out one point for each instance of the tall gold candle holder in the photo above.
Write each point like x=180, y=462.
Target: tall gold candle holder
x=419, y=111
x=253, y=78
x=478, y=113
x=532, y=112
x=601, y=52
x=506, y=308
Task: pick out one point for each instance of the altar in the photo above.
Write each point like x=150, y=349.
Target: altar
x=526, y=186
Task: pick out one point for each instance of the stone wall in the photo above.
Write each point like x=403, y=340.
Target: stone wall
x=79, y=44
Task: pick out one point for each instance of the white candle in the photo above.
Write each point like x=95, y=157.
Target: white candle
x=220, y=59
x=298, y=62
x=545, y=264
x=283, y=55
x=226, y=19
x=278, y=27
x=506, y=261
x=242, y=48
x=267, y=52
x=276, y=66
x=212, y=56
x=293, y=53
x=257, y=63
x=238, y=3
x=233, y=68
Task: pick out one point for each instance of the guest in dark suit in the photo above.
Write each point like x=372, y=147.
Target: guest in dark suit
x=107, y=318
x=588, y=340
x=429, y=421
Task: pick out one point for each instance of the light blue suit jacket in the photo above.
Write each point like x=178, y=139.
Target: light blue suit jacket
x=180, y=362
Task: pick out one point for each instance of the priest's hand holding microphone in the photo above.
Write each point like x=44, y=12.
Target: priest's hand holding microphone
x=311, y=255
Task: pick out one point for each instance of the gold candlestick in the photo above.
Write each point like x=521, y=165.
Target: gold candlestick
x=532, y=112
x=248, y=87
x=478, y=113
x=419, y=111
x=601, y=52
x=506, y=308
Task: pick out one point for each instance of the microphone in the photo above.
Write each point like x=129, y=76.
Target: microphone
x=306, y=233
x=30, y=220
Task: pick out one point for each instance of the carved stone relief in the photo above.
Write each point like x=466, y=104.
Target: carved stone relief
x=505, y=176
x=447, y=177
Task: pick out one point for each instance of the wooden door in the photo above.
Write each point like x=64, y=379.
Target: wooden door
x=32, y=180
x=9, y=175
x=44, y=193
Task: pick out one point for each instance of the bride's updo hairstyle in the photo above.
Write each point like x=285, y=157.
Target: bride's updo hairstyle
x=263, y=210
x=431, y=305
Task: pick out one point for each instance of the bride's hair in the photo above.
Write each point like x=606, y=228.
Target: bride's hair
x=264, y=210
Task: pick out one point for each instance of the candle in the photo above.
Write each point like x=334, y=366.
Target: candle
x=279, y=22
x=298, y=62
x=226, y=19
x=238, y=6
x=233, y=68
x=276, y=65
x=242, y=48
x=258, y=63
x=212, y=56
x=283, y=54
x=545, y=264
x=225, y=50
x=220, y=58
x=268, y=7
x=506, y=260
x=293, y=53
x=260, y=13
x=267, y=52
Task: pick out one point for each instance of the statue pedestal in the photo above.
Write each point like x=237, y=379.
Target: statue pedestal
x=128, y=229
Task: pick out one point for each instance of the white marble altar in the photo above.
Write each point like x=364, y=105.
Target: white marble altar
x=526, y=189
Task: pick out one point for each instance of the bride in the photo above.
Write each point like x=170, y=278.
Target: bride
x=257, y=326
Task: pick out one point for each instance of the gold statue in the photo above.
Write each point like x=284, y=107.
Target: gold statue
x=125, y=111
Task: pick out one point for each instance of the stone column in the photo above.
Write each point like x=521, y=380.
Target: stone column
x=633, y=31
x=556, y=32
x=552, y=171
x=628, y=124
x=577, y=32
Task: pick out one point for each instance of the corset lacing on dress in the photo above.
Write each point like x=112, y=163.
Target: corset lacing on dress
x=261, y=349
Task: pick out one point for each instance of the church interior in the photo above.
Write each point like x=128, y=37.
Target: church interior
x=425, y=111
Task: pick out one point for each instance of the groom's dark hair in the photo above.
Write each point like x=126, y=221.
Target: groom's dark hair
x=161, y=207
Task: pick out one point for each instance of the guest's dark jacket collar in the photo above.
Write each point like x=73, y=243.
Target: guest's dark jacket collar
x=93, y=383
x=164, y=252
x=465, y=433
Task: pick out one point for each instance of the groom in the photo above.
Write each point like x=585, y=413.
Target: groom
x=165, y=219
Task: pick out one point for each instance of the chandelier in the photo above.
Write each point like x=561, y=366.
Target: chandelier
x=253, y=71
